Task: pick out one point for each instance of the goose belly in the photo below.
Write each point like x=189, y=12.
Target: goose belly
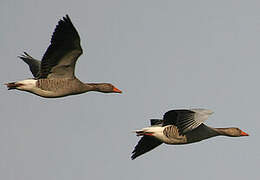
x=57, y=87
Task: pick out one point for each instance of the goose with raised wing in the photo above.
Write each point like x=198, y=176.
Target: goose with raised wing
x=180, y=127
x=54, y=74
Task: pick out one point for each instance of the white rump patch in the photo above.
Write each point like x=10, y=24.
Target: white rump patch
x=27, y=84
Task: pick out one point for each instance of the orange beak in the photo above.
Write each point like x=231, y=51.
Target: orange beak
x=243, y=134
x=116, y=90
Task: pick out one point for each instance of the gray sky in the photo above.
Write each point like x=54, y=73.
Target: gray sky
x=163, y=55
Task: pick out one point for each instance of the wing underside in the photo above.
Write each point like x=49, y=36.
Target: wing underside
x=146, y=143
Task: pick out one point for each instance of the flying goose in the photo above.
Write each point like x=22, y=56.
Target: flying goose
x=179, y=127
x=54, y=75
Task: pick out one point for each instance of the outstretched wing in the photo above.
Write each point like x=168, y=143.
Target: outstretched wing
x=60, y=57
x=186, y=120
x=146, y=143
x=33, y=64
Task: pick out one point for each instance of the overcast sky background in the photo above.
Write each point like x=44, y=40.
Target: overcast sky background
x=163, y=55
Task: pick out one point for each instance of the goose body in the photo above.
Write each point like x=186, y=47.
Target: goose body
x=54, y=88
x=179, y=127
x=54, y=75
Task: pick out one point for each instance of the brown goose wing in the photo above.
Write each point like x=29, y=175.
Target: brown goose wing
x=146, y=143
x=60, y=57
x=156, y=122
x=186, y=120
x=33, y=64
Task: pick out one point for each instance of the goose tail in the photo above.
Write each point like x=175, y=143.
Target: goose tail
x=12, y=85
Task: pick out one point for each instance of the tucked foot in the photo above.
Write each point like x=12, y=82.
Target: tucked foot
x=142, y=133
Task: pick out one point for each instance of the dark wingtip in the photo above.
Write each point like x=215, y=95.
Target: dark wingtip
x=133, y=155
x=24, y=56
x=66, y=18
x=27, y=54
x=133, y=158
